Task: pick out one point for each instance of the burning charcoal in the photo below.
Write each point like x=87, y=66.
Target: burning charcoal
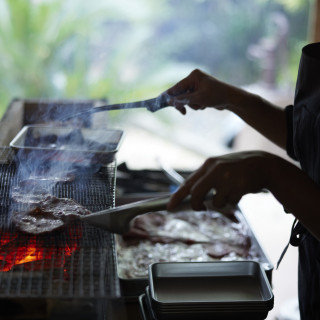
x=50, y=214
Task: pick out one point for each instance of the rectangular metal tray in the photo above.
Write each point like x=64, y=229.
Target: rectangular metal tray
x=108, y=141
x=208, y=290
x=144, y=310
x=214, y=284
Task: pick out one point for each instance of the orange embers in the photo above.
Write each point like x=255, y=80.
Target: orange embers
x=41, y=256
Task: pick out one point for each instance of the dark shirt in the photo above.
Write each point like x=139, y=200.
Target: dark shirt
x=303, y=145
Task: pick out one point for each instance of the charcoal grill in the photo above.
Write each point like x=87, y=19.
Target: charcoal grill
x=53, y=274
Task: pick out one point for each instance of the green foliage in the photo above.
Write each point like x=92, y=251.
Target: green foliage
x=54, y=49
x=291, y=6
x=127, y=50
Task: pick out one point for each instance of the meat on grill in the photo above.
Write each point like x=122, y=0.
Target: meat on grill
x=50, y=214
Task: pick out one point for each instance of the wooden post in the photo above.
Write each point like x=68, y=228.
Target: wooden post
x=315, y=22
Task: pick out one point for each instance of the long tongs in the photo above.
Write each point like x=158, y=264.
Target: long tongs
x=152, y=105
x=118, y=219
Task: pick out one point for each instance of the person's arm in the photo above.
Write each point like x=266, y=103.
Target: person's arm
x=200, y=90
x=234, y=175
x=297, y=192
x=260, y=114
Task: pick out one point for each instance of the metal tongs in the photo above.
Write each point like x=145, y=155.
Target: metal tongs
x=152, y=105
x=118, y=219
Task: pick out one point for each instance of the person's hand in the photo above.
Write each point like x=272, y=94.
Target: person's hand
x=230, y=176
x=200, y=90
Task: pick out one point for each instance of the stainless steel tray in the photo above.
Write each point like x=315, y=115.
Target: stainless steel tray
x=187, y=285
x=220, y=289
x=99, y=145
x=144, y=309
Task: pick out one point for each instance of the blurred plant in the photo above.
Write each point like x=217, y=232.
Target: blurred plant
x=291, y=5
x=127, y=50
x=63, y=49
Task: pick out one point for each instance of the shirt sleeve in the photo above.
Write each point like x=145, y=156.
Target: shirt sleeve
x=289, y=119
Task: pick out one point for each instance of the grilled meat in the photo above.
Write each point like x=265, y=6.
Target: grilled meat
x=50, y=214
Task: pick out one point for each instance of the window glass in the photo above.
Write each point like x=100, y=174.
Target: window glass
x=129, y=50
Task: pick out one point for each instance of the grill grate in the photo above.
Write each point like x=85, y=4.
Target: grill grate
x=78, y=261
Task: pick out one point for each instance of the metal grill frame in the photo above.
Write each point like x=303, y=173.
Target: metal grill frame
x=90, y=271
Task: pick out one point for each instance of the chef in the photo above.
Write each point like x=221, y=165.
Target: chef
x=295, y=128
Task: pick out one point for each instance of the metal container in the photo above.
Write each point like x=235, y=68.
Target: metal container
x=145, y=311
x=134, y=287
x=223, y=289
x=67, y=144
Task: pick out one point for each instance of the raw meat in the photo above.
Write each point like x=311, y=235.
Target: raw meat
x=182, y=236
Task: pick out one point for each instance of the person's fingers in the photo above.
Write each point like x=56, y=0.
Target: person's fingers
x=213, y=176
x=181, y=87
x=184, y=189
x=203, y=182
x=197, y=201
x=179, y=100
x=181, y=109
x=192, y=99
x=219, y=200
x=196, y=106
x=198, y=194
x=234, y=197
x=177, y=197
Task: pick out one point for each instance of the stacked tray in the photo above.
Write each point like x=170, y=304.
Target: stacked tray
x=222, y=289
